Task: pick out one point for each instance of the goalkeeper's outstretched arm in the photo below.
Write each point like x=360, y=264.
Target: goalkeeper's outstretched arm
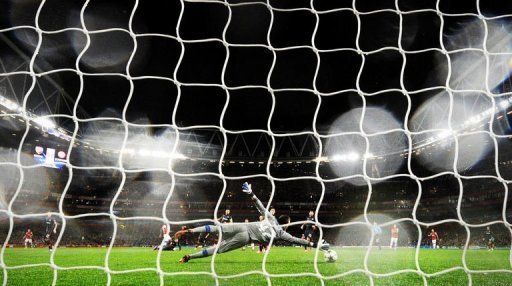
x=259, y=205
x=295, y=240
x=247, y=188
x=283, y=235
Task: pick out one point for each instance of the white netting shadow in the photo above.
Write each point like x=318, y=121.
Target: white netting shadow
x=268, y=86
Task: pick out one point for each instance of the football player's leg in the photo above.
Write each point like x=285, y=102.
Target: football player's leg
x=235, y=237
x=205, y=252
x=169, y=246
x=48, y=241
x=201, y=229
x=308, y=237
x=235, y=242
x=166, y=239
x=205, y=229
x=224, y=246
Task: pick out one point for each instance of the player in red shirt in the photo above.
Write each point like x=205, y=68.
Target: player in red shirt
x=394, y=237
x=28, y=238
x=433, y=238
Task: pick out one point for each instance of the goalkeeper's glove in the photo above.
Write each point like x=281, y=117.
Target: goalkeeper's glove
x=247, y=188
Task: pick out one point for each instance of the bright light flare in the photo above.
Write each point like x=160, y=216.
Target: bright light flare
x=348, y=157
x=9, y=104
x=445, y=134
x=347, y=151
x=45, y=122
x=154, y=153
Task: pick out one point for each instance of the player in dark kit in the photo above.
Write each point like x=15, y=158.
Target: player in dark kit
x=377, y=232
x=490, y=239
x=309, y=228
x=202, y=240
x=50, y=229
x=226, y=217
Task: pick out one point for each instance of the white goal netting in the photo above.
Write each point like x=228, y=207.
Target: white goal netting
x=448, y=134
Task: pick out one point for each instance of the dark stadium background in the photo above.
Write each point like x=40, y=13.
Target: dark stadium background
x=153, y=101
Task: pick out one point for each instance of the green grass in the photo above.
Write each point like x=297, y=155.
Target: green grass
x=281, y=260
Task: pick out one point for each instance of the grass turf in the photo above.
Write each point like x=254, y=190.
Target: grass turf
x=281, y=260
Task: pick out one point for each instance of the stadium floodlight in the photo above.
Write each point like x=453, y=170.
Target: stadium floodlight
x=160, y=154
x=9, y=104
x=348, y=157
x=178, y=156
x=128, y=151
x=445, y=134
x=473, y=119
x=352, y=156
x=337, y=158
x=369, y=155
x=154, y=153
x=45, y=122
x=321, y=159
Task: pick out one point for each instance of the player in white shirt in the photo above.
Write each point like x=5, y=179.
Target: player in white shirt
x=167, y=242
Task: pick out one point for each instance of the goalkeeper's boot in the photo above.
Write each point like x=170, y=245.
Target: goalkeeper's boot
x=185, y=259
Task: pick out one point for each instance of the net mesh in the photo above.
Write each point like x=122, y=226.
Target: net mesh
x=136, y=37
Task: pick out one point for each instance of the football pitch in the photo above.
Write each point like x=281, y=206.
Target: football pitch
x=281, y=260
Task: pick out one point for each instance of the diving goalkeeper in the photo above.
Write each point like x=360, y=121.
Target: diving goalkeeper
x=237, y=235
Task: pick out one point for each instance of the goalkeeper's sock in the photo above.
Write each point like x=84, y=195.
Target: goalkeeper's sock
x=203, y=253
x=205, y=229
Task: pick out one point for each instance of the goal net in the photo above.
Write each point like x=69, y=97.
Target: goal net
x=388, y=120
